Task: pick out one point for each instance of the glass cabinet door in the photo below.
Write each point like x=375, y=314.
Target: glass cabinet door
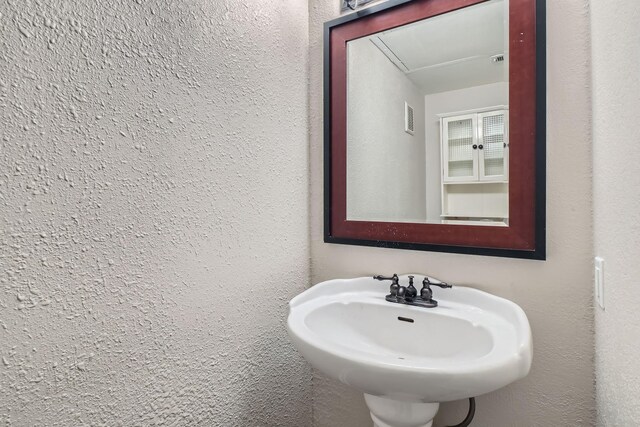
x=459, y=150
x=493, y=146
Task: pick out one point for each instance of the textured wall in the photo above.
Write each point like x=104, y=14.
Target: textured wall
x=556, y=294
x=616, y=107
x=153, y=191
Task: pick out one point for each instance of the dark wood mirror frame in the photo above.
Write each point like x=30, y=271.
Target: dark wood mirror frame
x=524, y=237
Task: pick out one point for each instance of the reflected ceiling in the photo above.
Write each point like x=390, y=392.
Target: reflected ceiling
x=451, y=51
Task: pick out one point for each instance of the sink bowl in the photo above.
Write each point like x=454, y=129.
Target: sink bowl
x=407, y=359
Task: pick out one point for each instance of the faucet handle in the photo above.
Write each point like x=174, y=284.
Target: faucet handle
x=426, y=293
x=395, y=283
x=426, y=282
x=381, y=278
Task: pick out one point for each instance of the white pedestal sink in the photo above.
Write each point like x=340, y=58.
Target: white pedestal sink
x=405, y=359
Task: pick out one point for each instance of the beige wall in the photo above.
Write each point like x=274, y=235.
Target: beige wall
x=616, y=206
x=556, y=294
x=153, y=212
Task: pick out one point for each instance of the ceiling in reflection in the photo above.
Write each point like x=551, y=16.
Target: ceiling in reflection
x=451, y=51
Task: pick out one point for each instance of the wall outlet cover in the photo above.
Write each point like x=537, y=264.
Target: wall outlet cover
x=599, y=281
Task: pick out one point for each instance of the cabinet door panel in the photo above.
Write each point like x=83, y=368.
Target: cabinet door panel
x=460, y=158
x=493, y=138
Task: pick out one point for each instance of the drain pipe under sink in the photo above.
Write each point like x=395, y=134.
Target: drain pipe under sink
x=470, y=414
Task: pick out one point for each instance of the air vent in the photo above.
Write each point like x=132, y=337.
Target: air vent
x=408, y=119
x=497, y=58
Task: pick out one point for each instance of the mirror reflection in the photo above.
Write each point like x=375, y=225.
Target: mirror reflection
x=427, y=120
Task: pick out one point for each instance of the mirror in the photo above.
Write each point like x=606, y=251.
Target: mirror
x=427, y=110
x=434, y=127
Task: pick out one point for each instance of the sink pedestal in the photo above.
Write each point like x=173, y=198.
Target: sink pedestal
x=396, y=413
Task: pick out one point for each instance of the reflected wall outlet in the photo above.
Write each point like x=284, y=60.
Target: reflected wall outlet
x=599, y=281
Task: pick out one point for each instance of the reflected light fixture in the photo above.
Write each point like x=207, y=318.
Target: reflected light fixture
x=352, y=4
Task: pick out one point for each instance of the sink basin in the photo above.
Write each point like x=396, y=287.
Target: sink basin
x=407, y=359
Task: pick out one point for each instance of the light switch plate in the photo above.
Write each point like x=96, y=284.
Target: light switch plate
x=599, y=281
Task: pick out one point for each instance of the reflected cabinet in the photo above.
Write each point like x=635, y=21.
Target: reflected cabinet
x=474, y=146
x=475, y=179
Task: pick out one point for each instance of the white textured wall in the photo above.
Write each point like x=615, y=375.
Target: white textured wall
x=616, y=160
x=556, y=294
x=470, y=98
x=153, y=200
x=386, y=171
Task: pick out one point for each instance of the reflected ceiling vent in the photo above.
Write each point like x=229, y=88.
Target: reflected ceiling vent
x=497, y=58
x=408, y=119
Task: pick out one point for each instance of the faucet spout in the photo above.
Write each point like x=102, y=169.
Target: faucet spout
x=409, y=295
